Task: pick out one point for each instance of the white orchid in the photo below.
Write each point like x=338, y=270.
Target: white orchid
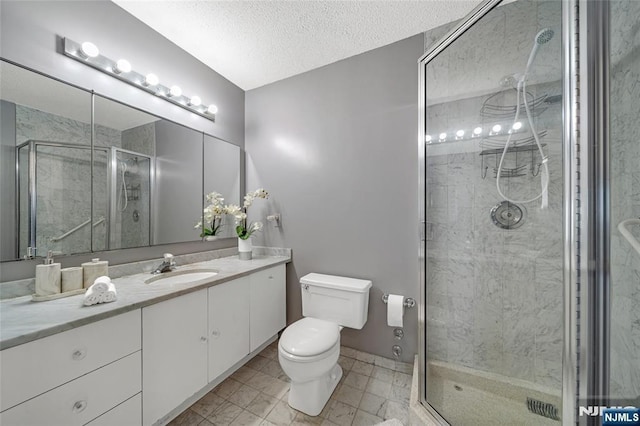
x=240, y=214
x=212, y=214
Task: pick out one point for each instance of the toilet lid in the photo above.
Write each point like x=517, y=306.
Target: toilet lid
x=309, y=336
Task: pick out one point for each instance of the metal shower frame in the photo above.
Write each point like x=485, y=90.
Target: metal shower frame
x=585, y=371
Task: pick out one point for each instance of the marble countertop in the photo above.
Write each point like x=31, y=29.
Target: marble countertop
x=22, y=320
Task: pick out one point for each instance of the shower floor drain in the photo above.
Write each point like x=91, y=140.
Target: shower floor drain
x=507, y=215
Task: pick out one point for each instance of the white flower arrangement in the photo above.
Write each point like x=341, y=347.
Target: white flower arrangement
x=240, y=214
x=212, y=215
x=215, y=209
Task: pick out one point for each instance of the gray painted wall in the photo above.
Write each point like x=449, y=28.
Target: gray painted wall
x=336, y=148
x=30, y=35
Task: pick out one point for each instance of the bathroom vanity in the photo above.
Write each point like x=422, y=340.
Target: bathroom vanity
x=143, y=358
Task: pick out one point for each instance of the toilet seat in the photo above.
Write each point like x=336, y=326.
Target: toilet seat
x=309, y=359
x=309, y=338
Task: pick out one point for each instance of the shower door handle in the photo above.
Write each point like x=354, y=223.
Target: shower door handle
x=426, y=231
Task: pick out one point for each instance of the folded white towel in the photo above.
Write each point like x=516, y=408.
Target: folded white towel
x=110, y=295
x=93, y=296
x=101, y=284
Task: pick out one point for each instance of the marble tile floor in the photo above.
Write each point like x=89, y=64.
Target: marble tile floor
x=372, y=389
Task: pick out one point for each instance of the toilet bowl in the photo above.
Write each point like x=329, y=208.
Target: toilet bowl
x=308, y=352
x=309, y=348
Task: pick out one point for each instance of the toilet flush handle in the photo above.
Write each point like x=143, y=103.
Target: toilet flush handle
x=305, y=286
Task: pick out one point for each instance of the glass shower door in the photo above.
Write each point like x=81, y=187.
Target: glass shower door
x=493, y=212
x=63, y=198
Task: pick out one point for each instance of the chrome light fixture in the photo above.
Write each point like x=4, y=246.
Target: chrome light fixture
x=89, y=54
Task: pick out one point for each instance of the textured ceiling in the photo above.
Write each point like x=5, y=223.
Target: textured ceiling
x=253, y=43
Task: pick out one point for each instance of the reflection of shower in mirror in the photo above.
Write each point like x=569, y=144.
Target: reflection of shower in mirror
x=131, y=166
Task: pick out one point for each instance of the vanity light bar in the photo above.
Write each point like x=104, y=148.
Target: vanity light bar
x=88, y=54
x=479, y=131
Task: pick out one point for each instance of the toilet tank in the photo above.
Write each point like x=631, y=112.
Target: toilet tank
x=342, y=300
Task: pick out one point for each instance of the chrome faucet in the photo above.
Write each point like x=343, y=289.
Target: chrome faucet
x=167, y=265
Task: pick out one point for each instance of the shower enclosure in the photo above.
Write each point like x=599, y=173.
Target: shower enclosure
x=54, y=198
x=130, y=198
x=529, y=277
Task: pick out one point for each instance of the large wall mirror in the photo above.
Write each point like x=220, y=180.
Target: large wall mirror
x=149, y=174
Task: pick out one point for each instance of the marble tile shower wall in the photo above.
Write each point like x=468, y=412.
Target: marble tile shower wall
x=64, y=178
x=494, y=296
x=625, y=198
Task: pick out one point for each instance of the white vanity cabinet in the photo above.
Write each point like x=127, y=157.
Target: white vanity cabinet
x=142, y=366
x=174, y=353
x=72, y=377
x=228, y=325
x=268, y=304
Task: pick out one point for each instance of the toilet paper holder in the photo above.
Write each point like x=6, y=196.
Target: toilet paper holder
x=409, y=302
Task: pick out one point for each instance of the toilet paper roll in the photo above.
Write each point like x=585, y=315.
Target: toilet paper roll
x=395, y=310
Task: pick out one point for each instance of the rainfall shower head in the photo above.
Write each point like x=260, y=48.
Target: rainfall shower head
x=541, y=38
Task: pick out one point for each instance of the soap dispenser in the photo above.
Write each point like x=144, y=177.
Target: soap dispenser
x=48, y=277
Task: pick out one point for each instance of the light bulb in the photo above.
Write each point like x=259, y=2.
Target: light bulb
x=427, y=138
x=443, y=136
x=151, y=80
x=460, y=134
x=212, y=109
x=517, y=125
x=89, y=50
x=496, y=128
x=195, y=101
x=122, y=66
x=175, y=91
x=477, y=130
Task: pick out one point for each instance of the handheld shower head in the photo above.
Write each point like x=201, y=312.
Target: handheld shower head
x=543, y=37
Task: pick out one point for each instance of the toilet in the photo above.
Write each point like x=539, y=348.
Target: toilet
x=309, y=348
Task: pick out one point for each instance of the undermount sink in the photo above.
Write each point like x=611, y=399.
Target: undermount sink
x=182, y=276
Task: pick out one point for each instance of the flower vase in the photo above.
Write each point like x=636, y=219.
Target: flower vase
x=211, y=238
x=244, y=249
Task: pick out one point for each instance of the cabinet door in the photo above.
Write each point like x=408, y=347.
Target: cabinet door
x=228, y=325
x=268, y=304
x=174, y=353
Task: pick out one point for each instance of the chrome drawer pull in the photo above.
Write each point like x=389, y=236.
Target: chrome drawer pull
x=79, y=406
x=79, y=354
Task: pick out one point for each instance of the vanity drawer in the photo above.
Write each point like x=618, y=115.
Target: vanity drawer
x=36, y=367
x=83, y=399
x=127, y=413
